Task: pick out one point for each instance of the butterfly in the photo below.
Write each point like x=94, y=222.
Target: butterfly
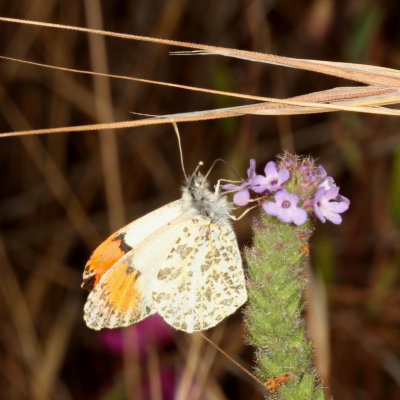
x=180, y=261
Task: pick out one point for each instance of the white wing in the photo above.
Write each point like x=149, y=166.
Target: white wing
x=201, y=280
x=121, y=242
x=138, y=230
x=123, y=295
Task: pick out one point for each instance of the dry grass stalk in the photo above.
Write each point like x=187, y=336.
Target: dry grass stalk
x=383, y=89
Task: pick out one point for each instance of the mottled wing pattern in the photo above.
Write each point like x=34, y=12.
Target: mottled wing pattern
x=122, y=241
x=123, y=295
x=201, y=280
x=118, y=299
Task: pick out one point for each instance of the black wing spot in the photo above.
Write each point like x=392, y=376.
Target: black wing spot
x=88, y=283
x=123, y=245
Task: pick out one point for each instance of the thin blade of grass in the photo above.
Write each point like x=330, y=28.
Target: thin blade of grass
x=300, y=105
x=104, y=111
x=368, y=98
x=260, y=108
x=55, y=179
x=191, y=368
x=329, y=95
x=371, y=75
x=55, y=348
x=368, y=74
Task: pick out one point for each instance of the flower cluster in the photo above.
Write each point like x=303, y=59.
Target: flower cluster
x=291, y=190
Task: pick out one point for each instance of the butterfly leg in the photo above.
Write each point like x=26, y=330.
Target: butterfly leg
x=243, y=213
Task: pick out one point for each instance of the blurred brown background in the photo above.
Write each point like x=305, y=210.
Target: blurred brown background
x=62, y=194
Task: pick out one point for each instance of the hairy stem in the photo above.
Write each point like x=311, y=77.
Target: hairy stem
x=274, y=314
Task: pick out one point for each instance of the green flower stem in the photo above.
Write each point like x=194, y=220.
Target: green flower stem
x=274, y=315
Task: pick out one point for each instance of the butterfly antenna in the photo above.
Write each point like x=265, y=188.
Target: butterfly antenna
x=212, y=166
x=180, y=147
x=228, y=165
x=199, y=165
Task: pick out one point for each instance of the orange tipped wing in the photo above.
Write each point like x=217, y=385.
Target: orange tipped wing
x=121, y=242
x=103, y=258
x=118, y=299
x=123, y=294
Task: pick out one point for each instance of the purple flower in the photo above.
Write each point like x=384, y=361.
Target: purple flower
x=327, y=183
x=272, y=180
x=285, y=208
x=242, y=195
x=328, y=203
x=151, y=331
x=321, y=172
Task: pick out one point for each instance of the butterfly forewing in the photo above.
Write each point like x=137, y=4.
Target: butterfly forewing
x=201, y=280
x=123, y=295
x=121, y=242
x=118, y=299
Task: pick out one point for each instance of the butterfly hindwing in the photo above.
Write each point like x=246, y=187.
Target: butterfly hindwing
x=201, y=280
